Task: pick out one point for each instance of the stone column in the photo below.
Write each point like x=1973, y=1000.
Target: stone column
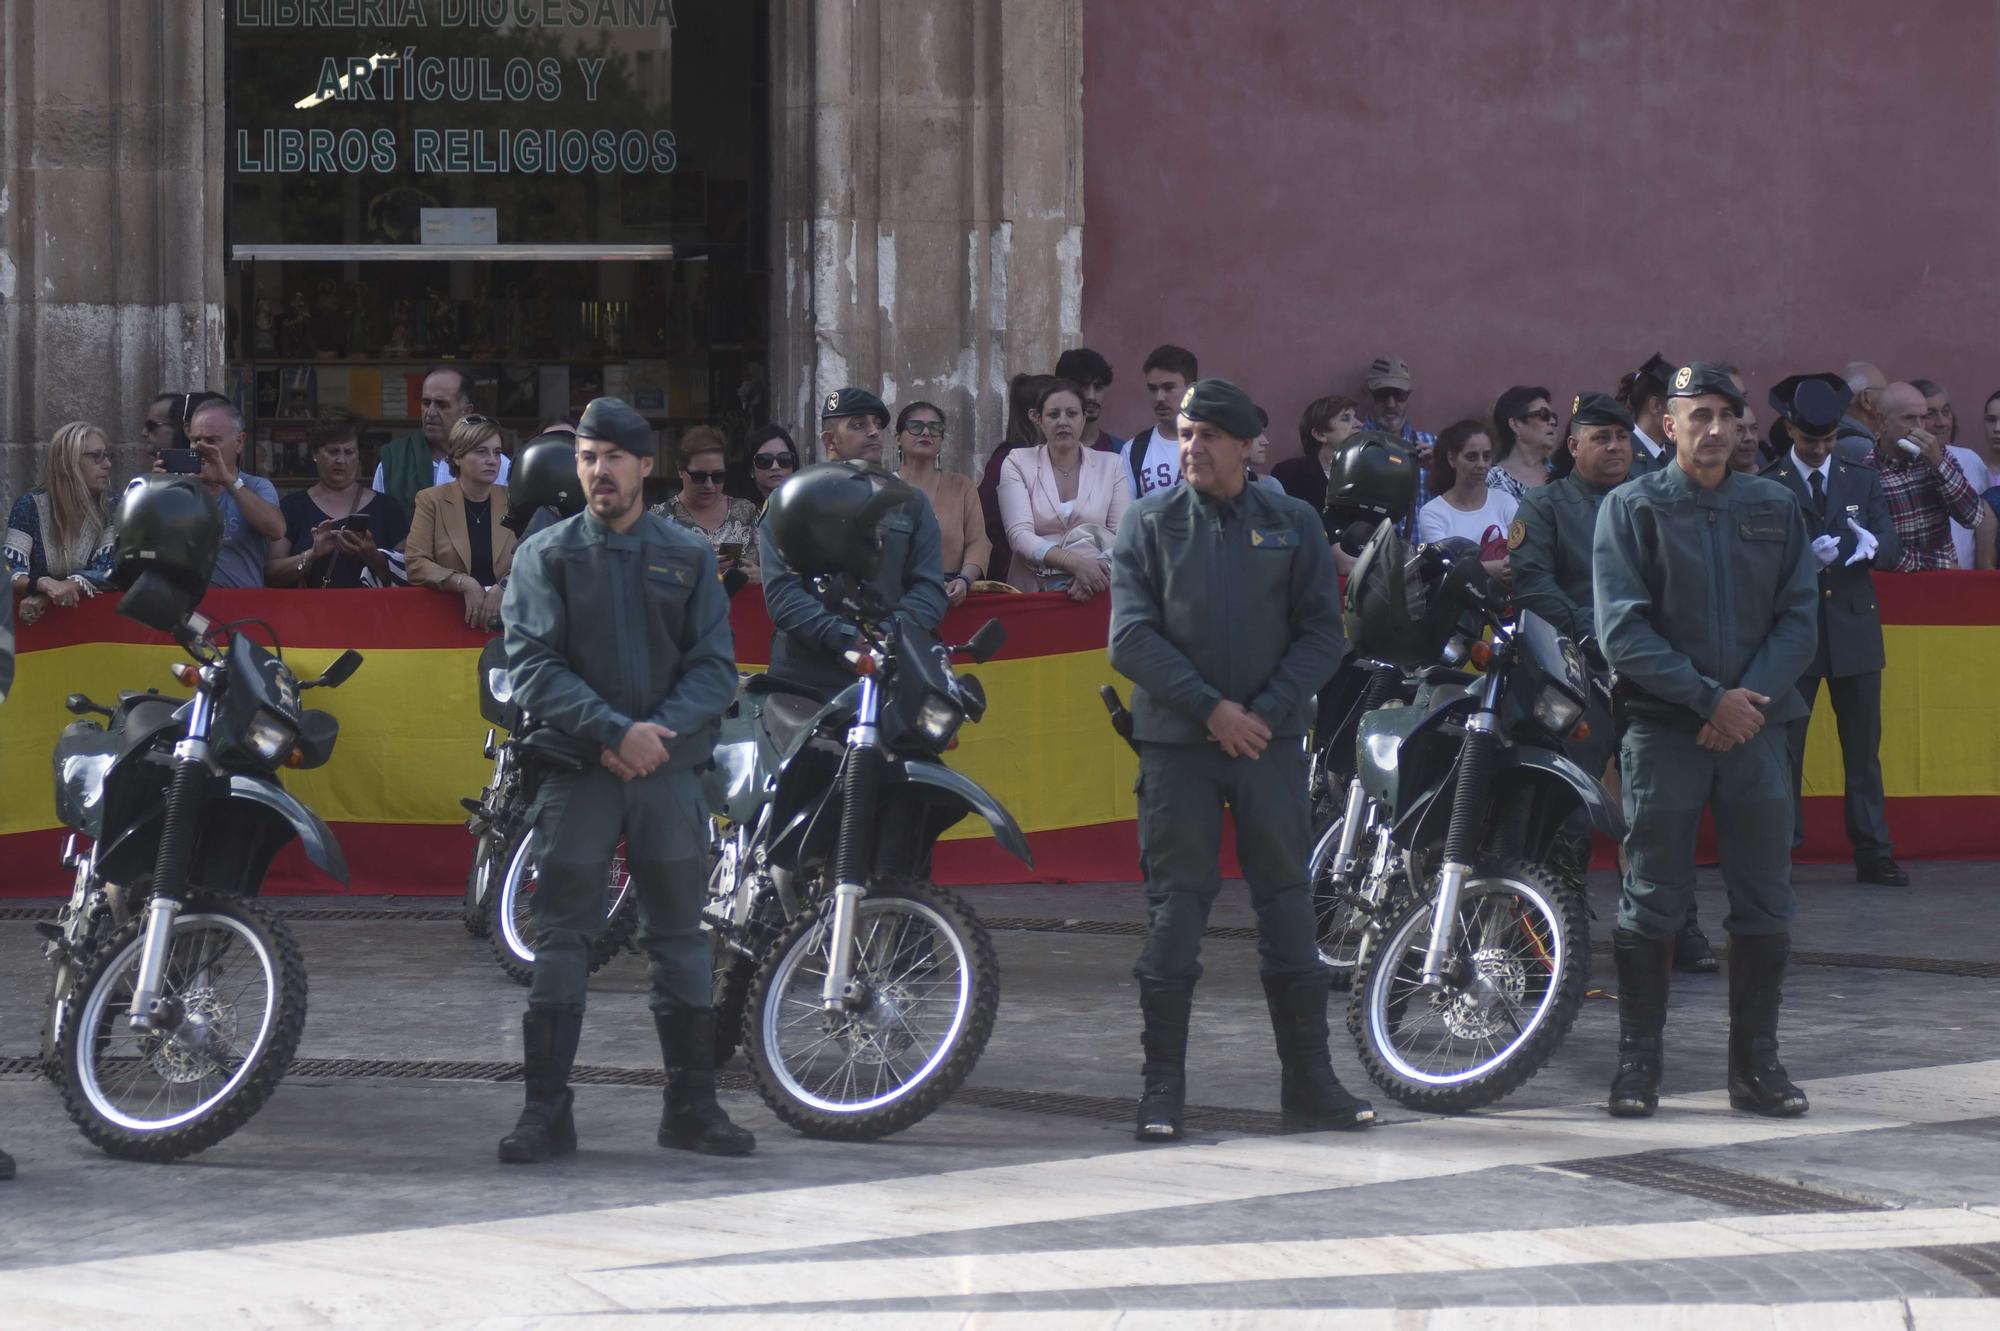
x=111, y=279
x=927, y=203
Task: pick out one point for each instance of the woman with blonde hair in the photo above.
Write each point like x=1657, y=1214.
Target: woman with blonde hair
x=457, y=540
x=58, y=548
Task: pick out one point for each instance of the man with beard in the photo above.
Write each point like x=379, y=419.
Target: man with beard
x=1703, y=589
x=618, y=641
x=809, y=641
x=1090, y=372
x=1224, y=615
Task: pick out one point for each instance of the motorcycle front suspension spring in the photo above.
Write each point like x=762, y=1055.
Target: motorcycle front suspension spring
x=1468, y=800
x=170, y=864
x=858, y=792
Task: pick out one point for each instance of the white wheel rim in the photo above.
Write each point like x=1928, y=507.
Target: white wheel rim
x=93, y=1020
x=1408, y=940
x=812, y=945
x=520, y=869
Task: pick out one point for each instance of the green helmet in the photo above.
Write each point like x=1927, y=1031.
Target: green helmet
x=1374, y=476
x=827, y=519
x=544, y=476
x=169, y=533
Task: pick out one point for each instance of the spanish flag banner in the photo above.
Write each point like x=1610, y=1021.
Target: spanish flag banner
x=411, y=736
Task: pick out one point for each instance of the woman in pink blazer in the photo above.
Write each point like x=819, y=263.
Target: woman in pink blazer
x=1061, y=502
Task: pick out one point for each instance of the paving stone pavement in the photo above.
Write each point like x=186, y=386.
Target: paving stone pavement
x=376, y=1202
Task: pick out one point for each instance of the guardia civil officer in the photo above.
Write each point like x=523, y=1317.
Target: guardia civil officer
x=1644, y=393
x=808, y=640
x=1848, y=520
x=1223, y=614
x=1549, y=544
x=1704, y=593
x=618, y=639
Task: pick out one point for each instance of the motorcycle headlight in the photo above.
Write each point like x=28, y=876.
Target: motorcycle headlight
x=938, y=720
x=270, y=736
x=1556, y=711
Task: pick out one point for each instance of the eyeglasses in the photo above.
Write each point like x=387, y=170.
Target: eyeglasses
x=703, y=477
x=1390, y=395
x=930, y=429
x=96, y=455
x=475, y=420
x=1544, y=415
x=772, y=461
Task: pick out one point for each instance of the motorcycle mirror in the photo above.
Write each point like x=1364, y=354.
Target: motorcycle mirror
x=991, y=636
x=339, y=672
x=501, y=687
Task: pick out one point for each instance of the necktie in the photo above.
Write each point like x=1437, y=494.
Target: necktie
x=1819, y=497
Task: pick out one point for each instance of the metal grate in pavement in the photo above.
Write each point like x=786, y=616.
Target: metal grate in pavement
x=1666, y=1172
x=1977, y=1262
x=1100, y=1108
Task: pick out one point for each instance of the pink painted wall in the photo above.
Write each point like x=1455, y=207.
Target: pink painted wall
x=1540, y=191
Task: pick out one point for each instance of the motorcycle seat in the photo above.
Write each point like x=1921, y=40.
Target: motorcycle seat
x=787, y=717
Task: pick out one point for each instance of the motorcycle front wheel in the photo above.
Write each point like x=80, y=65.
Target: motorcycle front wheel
x=931, y=987
x=511, y=915
x=1520, y=964
x=238, y=984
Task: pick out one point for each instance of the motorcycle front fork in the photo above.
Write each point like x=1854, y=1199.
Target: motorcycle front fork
x=1468, y=817
x=860, y=779
x=149, y=1011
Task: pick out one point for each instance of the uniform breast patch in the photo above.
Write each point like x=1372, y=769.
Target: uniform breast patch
x=673, y=573
x=1274, y=538
x=1761, y=530
x=1517, y=532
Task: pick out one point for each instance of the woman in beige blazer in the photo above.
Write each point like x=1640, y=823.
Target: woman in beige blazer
x=457, y=542
x=1061, y=502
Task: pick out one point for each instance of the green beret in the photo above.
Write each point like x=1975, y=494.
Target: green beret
x=1598, y=409
x=1223, y=405
x=1701, y=378
x=608, y=420
x=853, y=402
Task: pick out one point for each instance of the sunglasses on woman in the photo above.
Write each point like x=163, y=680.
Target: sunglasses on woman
x=705, y=477
x=772, y=461
x=933, y=429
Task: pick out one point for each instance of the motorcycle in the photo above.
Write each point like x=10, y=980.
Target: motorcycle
x=1474, y=956
x=500, y=887
x=177, y=1001
x=863, y=992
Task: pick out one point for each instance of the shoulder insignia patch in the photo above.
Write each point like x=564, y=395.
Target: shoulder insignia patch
x=1517, y=532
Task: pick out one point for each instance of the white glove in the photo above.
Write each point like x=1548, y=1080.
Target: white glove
x=1865, y=544
x=1826, y=549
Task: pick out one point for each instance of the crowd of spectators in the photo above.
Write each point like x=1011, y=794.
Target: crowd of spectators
x=1041, y=515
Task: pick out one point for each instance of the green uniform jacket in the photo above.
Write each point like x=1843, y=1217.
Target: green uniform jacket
x=1215, y=599
x=407, y=468
x=605, y=629
x=1550, y=554
x=1700, y=591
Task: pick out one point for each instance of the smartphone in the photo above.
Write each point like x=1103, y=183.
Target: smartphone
x=180, y=461
x=352, y=522
x=731, y=550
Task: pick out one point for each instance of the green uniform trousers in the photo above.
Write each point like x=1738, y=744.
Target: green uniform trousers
x=578, y=818
x=1182, y=791
x=1669, y=780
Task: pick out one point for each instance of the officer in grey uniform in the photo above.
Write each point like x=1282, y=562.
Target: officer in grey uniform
x=618, y=641
x=1704, y=595
x=808, y=641
x=1549, y=548
x=1223, y=614
x=1848, y=519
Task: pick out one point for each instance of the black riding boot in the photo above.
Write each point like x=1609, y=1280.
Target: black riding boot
x=1757, y=1080
x=1644, y=965
x=1692, y=954
x=692, y=1120
x=548, y=1049
x=1165, y=1005
x=1311, y=1093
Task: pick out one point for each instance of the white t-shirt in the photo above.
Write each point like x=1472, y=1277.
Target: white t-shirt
x=1981, y=477
x=1438, y=519
x=441, y=469
x=1162, y=466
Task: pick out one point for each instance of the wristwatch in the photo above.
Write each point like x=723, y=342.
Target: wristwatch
x=237, y=484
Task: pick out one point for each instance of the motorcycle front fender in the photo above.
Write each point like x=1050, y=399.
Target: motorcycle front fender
x=1551, y=765
x=969, y=793
x=313, y=834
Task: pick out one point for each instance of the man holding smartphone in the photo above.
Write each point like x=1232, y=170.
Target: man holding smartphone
x=251, y=519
